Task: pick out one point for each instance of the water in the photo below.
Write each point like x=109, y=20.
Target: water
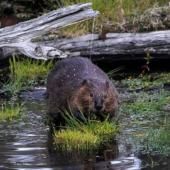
x=26, y=144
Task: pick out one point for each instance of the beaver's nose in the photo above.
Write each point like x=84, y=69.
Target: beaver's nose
x=98, y=107
x=98, y=104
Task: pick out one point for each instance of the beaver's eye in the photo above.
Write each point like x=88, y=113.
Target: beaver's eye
x=91, y=95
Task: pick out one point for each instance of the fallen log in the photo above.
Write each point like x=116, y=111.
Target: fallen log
x=114, y=46
x=18, y=38
x=117, y=46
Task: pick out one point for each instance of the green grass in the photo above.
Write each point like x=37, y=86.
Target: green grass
x=158, y=141
x=25, y=74
x=101, y=129
x=72, y=139
x=111, y=9
x=155, y=141
x=8, y=112
x=113, y=15
x=145, y=113
x=140, y=83
x=86, y=136
x=149, y=81
x=147, y=103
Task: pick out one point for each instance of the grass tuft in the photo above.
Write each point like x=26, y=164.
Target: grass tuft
x=10, y=111
x=25, y=74
x=72, y=139
x=84, y=136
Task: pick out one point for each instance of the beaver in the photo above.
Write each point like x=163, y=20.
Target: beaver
x=8, y=18
x=78, y=85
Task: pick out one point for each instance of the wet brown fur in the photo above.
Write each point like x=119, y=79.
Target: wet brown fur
x=8, y=17
x=76, y=84
x=8, y=21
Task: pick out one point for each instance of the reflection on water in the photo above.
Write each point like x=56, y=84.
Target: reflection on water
x=26, y=145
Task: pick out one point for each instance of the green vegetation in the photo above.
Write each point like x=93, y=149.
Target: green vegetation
x=150, y=81
x=84, y=136
x=146, y=103
x=113, y=9
x=157, y=141
x=72, y=139
x=154, y=140
x=25, y=74
x=143, y=108
x=122, y=15
x=10, y=111
x=149, y=119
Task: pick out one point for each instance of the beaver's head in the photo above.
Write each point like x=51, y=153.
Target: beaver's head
x=96, y=97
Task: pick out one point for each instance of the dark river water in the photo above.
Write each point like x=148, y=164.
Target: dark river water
x=25, y=144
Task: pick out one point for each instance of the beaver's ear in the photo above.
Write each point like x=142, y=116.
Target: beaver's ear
x=107, y=84
x=85, y=82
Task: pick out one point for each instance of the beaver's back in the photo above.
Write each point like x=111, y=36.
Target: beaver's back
x=73, y=70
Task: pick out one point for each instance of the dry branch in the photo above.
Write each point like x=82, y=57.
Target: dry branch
x=18, y=37
x=117, y=46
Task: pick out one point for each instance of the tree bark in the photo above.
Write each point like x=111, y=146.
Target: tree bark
x=114, y=46
x=19, y=37
x=118, y=46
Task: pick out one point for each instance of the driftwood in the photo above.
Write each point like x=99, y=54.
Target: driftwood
x=114, y=46
x=18, y=37
x=118, y=46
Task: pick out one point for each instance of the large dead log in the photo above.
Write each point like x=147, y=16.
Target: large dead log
x=117, y=46
x=18, y=37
